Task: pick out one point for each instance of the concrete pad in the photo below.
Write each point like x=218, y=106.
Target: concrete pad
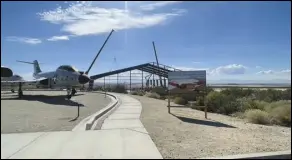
x=124, y=116
x=117, y=124
x=116, y=144
x=130, y=106
x=11, y=143
x=141, y=130
x=128, y=110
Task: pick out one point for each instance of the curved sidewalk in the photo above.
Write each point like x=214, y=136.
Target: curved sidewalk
x=122, y=136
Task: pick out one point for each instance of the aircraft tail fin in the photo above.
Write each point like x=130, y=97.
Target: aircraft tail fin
x=36, y=66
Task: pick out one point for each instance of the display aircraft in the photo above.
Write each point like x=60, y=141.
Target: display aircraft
x=6, y=72
x=65, y=76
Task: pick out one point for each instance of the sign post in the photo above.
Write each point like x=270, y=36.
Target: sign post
x=168, y=105
x=78, y=110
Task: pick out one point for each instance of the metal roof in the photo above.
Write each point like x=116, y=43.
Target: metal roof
x=152, y=68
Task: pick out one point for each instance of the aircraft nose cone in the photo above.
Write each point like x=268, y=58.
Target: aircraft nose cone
x=83, y=79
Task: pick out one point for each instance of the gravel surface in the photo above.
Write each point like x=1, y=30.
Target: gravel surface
x=187, y=134
x=42, y=111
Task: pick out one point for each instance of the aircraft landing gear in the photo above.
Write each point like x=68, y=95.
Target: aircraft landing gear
x=70, y=93
x=73, y=91
x=20, y=93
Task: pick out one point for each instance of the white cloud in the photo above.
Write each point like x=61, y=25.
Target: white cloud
x=157, y=4
x=58, y=38
x=266, y=72
x=231, y=69
x=86, y=18
x=259, y=67
x=24, y=40
x=287, y=71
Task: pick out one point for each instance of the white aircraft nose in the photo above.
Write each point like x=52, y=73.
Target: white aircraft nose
x=83, y=79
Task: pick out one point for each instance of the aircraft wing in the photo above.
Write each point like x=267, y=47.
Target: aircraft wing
x=22, y=81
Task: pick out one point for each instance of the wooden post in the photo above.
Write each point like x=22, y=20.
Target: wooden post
x=168, y=106
x=204, y=98
x=78, y=110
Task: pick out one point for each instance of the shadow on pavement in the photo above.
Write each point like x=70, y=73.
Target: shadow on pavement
x=203, y=122
x=54, y=100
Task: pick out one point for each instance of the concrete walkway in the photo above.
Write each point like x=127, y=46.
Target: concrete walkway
x=122, y=136
x=126, y=116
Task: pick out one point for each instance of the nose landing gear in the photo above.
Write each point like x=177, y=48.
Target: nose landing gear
x=73, y=92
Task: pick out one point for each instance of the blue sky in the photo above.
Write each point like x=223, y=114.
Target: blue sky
x=231, y=40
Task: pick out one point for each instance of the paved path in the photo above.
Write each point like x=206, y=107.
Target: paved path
x=122, y=136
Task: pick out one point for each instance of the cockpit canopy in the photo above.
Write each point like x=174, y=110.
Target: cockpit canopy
x=68, y=68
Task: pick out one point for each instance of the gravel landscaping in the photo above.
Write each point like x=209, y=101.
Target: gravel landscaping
x=185, y=133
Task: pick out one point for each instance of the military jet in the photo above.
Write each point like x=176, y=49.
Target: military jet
x=65, y=76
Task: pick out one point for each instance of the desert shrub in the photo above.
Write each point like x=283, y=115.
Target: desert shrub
x=286, y=94
x=231, y=105
x=280, y=112
x=236, y=92
x=238, y=114
x=222, y=103
x=257, y=116
x=201, y=108
x=160, y=90
x=270, y=106
x=191, y=96
x=214, y=100
x=200, y=101
x=272, y=95
x=209, y=89
x=152, y=95
x=140, y=93
x=180, y=100
x=281, y=115
x=119, y=89
x=162, y=97
x=253, y=104
x=134, y=93
x=247, y=92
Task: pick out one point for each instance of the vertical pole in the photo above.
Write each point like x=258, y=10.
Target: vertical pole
x=157, y=63
x=104, y=87
x=153, y=81
x=142, y=81
x=78, y=110
x=165, y=78
x=204, y=98
x=130, y=81
x=168, y=106
x=117, y=79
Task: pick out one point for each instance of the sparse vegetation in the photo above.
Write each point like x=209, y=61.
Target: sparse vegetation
x=134, y=93
x=257, y=106
x=200, y=101
x=257, y=116
x=152, y=95
x=180, y=100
